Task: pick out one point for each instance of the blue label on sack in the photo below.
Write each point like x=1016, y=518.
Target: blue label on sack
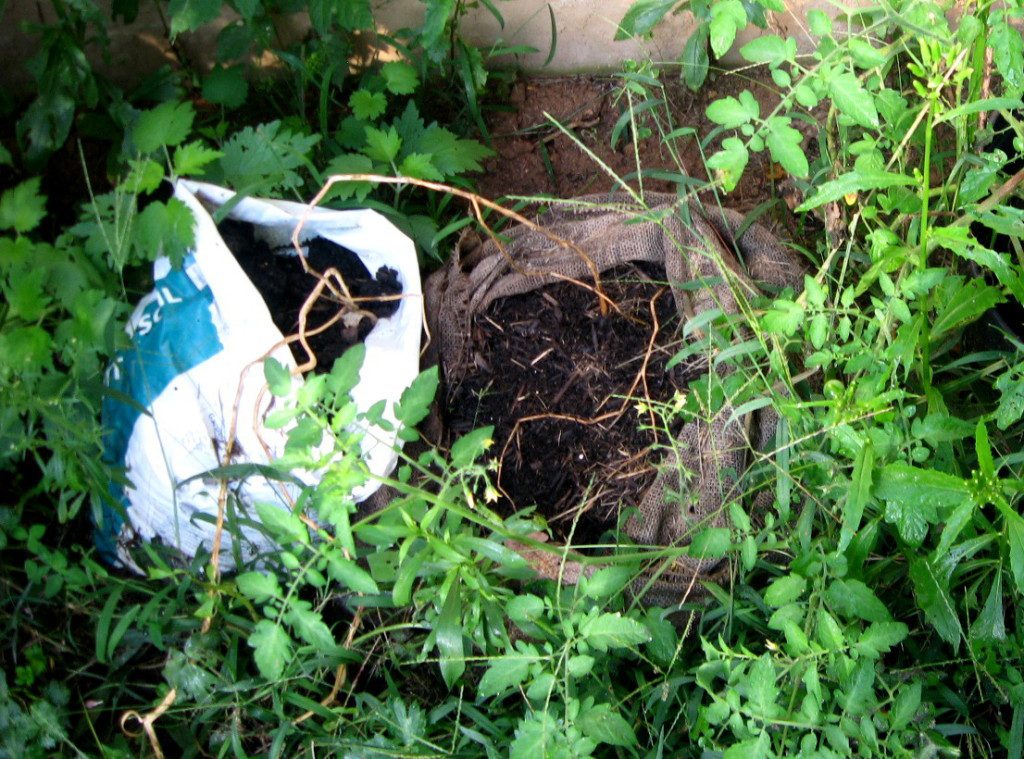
x=172, y=331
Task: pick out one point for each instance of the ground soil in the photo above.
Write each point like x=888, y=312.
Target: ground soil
x=285, y=285
x=559, y=381
x=551, y=373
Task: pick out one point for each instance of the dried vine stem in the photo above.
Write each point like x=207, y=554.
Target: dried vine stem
x=475, y=202
x=147, y=721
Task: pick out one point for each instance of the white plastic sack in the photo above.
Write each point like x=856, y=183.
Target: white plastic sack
x=193, y=336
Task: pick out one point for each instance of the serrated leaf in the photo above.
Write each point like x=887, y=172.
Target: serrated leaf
x=414, y=405
x=783, y=318
x=965, y=305
x=26, y=349
x=192, y=157
x=613, y=631
x=26, y=296
x=167, y=125
x=641, y=17
x=452, y=156
x=419, y=166
x=729, y=162
x=23, y=207
x=164, y=230
x=351, y=163
x=858, y=494
x=1015, y=541
x=226, y=86
x=853, y=100
x=282, y=523
x=932, y=592
x=382, y=144
x=258, y=586
x=279, y=378
x=731, y=112
x=538, y=736
x=503, y=673
x=605, y=725
x=923, y=489
x=310, y=626
x=853, y=598
x=400, y=77
x=367, y=106
x=785, y=146
x=990, y=624
x=880, y=637
x=273, y=649
x=727, y=18
x=266, y=158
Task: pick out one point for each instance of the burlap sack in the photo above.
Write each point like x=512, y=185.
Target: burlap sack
x=709, y=458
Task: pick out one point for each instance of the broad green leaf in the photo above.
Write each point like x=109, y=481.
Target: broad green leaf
x=768, y=48
x=344, y=373
x=435, y=25
x=471, y=446
x=164, y=230
x=859, y=696
x=449, y=637
x=189, y=15
x=729, y=162
x=273, y=649
x=279, y=379
x=266, y=158
x=858, y=495
x=819, y=23
x=605, y=725
x=752, y=748
x=990, y=625
x=26, y=294
x=1015, y=541
x=922, y=489
x=694, y=60
x=932, y=592
x=785, y=145
x=642, y=16
x=613, y=631
x=282, y=523
x=226, y=86
x=911, y=521
x=503, y=673
x=784, y=590
x=447, y=152
x=710, y=543
x=1008, y=54
x=762, y=691
x=414, y=405
x=367, y=106
x=351, y=575
x=852, y=598
x=524, y=608
x=167, y=125
x=955, y=523
x=732, y=113
x=607, y=582
x=828, y=632
x=579, y=665
x=783, y=318
x=258, y=586
x=908, y=699
x=966, y=304
x=853, y=100
x=853, y=182
x=193, y=157
x=26, y=349
x=351, y=163
x=23, y=207
x=864, y=54
x=400, y=77
x=880, y=637
x=1010, y=385
x=727, y=18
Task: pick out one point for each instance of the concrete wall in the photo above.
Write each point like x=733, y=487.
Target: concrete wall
x=586, y=31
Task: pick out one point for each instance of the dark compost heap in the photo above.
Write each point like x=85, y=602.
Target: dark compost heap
x=280, y=278
x=552, y=374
